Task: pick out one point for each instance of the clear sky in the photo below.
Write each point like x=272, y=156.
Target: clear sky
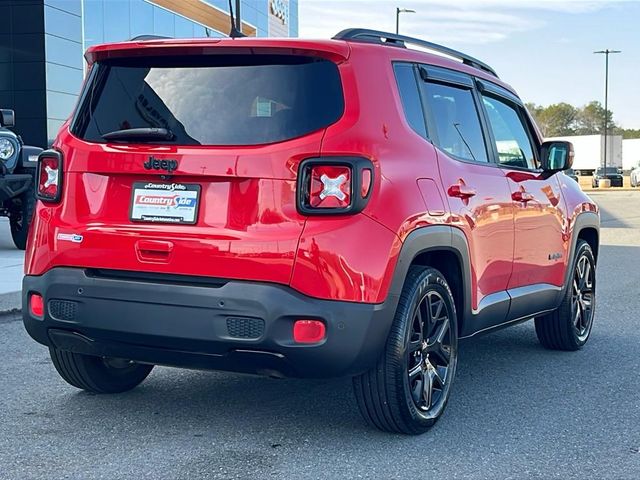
x=542, y=48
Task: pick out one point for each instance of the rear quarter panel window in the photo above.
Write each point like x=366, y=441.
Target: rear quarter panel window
x=410, y=97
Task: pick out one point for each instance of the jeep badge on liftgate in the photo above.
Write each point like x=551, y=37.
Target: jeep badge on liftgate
x=157, y=164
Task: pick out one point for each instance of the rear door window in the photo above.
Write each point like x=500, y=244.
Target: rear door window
x=212, y=100
x=458, y=130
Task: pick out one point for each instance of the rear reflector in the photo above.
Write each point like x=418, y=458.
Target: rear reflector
x=36, y=305
x=308, y=331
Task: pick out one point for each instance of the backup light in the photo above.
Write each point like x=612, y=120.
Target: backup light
x=330, y=187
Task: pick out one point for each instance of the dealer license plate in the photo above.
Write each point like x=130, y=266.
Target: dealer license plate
x=165, y=202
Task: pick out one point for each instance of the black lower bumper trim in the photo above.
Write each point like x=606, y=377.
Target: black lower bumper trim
x=239, y=326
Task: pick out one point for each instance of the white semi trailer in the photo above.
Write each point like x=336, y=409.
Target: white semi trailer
x=589, y=152
x=630, y=153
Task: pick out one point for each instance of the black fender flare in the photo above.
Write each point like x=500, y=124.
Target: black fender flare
x=583, y=220
x=433, y=238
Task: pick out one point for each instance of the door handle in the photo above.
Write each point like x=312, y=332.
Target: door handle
x=521, y=196
x=460, y=190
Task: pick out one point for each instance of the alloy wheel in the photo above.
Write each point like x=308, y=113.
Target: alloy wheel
x=582, y=299
x=431, y=354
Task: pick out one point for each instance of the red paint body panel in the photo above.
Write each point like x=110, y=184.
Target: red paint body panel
x=348, y=258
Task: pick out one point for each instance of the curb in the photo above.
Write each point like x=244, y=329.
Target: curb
x=611, y=189
x=10, y=302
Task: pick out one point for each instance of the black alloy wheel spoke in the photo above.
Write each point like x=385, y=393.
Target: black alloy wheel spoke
x=427, y=393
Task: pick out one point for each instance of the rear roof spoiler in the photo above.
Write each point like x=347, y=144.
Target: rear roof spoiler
x=146, y=45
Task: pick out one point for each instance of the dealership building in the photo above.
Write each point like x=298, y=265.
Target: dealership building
x=42, y=44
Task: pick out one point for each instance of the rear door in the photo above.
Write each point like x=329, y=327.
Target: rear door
x=187, y=164
x=478, y=191
x=540, y=219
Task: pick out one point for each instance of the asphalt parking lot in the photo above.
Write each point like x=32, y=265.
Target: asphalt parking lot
x=517, y=410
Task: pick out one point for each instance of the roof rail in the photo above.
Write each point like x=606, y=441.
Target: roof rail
x=385, y=38
x=142, y=38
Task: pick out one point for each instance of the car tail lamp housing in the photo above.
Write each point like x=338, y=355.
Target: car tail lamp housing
x=36, y=305
x=49, y=178
x=334, y=185
x=309, y=331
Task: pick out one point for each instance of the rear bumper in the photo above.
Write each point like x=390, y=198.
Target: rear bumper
x=615, y=181
x=12, y=185
x=234, y=326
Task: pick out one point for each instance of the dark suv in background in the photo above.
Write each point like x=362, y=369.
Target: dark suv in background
x=612, y=173
x=17, y=171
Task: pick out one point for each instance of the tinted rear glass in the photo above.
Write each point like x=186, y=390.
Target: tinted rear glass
x=214, y=100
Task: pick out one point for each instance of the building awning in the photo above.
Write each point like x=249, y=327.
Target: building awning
x=204, y=14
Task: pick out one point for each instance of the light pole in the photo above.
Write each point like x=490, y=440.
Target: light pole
x=606, y=100
x=398, y=12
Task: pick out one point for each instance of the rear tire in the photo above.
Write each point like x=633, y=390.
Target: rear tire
x=569, y=327
x=20, y=218
x=408, y=389
x=98, y=374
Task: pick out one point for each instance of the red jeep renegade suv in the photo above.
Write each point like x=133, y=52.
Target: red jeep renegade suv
x=302, y=208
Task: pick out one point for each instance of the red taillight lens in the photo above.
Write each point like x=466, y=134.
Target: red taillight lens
x=308, y=331
x=334, y=185
x=49, y=176
x=36, y=305
x=330, y=187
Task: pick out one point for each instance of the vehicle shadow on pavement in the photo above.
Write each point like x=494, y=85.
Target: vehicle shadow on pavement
x=502, y=378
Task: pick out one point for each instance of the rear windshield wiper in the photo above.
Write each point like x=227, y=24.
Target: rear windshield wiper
x=146, y=133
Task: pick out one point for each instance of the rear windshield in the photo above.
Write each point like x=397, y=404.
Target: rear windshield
x=212, y=100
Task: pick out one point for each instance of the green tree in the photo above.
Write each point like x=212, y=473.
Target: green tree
x=628, y=132
x=590, y=119
x=557, y=120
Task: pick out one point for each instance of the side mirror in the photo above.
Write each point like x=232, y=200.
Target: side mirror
x=7, y=118
x=556, y=156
